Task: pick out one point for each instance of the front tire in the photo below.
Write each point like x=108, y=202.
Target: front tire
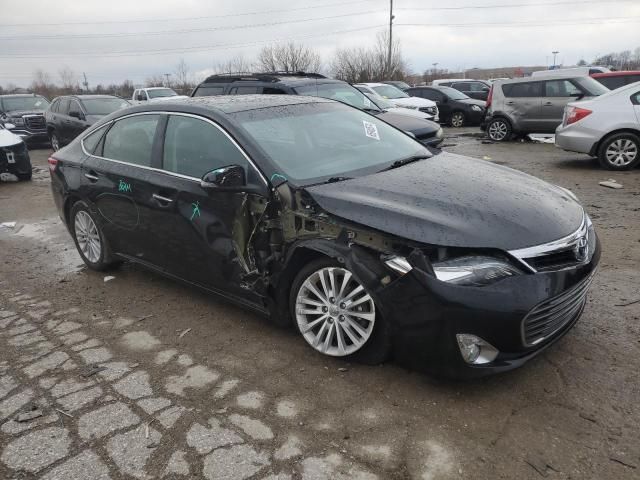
x=620, y=151
x=336, y=315
x=88, y=237
x=55, y=141
x=499, y=130
x=458, y=119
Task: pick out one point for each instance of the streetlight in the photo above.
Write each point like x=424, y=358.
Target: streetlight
x=554, y=58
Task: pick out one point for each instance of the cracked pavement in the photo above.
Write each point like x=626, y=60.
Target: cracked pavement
x=141, y=377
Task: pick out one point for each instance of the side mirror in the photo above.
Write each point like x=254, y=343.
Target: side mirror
x=230, y=177
x=140, y=97
x=76, y=114
x=9, y=126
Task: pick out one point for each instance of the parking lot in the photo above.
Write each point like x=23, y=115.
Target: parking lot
x=138, y=376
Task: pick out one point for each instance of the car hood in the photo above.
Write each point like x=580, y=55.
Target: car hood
x=8, y=139
x=409, y=112
x=417, y=126
x=168, y=99
x=413, y=102
x=19, y=113
x=455, y=201
x=473, y=101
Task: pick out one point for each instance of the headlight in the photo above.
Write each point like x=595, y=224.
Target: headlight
x=17, y=121
x=474, y=270
x=475, y=350
x=476, y=108
x=410, y=107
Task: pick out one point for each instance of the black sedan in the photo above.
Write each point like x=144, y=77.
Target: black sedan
x=69, y=116
x=456, y=108
x=322, y=216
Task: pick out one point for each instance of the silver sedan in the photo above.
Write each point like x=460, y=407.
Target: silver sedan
x=607, y=126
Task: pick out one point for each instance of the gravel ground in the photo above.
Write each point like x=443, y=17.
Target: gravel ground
x=141, y=377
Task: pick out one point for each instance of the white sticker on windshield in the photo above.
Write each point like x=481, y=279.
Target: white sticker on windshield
x=370, y=130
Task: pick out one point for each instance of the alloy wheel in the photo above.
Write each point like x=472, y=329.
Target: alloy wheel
x=621, y=152
x=87, y=236
x=55, y=143
x=335, y=314
x=498, y=130
x=457, y=120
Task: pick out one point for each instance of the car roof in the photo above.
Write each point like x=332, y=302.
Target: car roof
x=21, y=95
x=615, y=74
x=373, y=84
x=153, y=88
x=293, y=79
x=234, y=103
x=83, y=97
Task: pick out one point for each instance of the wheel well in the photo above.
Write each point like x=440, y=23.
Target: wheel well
x=501, y=116
x=68, y=205
x=50, y=129
x=596, y=146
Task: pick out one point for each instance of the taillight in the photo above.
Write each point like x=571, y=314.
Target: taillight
x=52, y=164
x=489, y=97
x=575, y=114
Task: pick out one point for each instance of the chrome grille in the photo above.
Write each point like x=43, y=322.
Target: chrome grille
x=548, y=317
x=34, y=122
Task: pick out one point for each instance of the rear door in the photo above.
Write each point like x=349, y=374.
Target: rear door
x=204, y=233
x=441, y=101
x=522, y=104
x=557, y=93
x=115, y=177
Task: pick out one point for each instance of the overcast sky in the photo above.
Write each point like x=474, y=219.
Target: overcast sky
x=49, y=35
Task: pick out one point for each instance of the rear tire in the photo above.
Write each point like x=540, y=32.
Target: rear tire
x=89, y=239
x=356, y=328
x=499, y=130
x=458, y=119
x=55, y=141
x=620, y=151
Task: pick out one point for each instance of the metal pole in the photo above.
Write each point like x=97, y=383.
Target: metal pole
x=390, y=38
x=554, y=58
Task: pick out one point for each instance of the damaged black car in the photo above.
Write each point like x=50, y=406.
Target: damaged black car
x=330, y=220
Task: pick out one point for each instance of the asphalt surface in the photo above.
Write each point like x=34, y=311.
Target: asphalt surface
x=141, y=377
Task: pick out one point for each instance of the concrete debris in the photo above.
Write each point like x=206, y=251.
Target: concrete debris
x=611, y=183
x=8, y=224
x=28, y=416
x=184, y=333
x=108, y=278
x=8, y=177
x=92, y=370
x=542, y=138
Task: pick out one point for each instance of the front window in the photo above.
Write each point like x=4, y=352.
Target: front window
x=103, y=106
x=206, y=90
x=341, y=92
x=161, y=92
x=313, y=142
x=453, y=94
x=24, y=103
x=389, y=91
x=379, y=101
x=131, y=139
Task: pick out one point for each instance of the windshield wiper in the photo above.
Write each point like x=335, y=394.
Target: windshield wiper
x=373, y=110
x=405, y=161
x=330, y=180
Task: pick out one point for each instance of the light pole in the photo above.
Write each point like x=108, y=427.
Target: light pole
x=168, y=75
x=391, y=17
x=554, y=58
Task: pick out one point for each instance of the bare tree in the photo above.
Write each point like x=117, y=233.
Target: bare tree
x=360, y=64
x=155, y=80
x=237, y=64
x=68, y=79
x=182, y=82
x=289, y=57
x=42, y=84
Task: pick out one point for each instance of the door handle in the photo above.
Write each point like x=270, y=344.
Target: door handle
x=510, y=103
x=548, y=104
x=92, y=178
x=162, y=199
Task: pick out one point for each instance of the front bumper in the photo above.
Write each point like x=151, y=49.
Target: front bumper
x=426, y=314
x=31, y=136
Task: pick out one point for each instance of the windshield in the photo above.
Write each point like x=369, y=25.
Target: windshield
x=313, y=142
x=400, y=85
x=593, y=87
x=453, y=94
x=341, y=92
x=379, y=101
x=161, y=92
x=389, y=91
x=103, y=106
x=24, y=103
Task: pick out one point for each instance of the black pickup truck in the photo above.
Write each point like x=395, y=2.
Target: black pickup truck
x=23, y=115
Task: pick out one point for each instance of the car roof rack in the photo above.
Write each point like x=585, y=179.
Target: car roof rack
x=261, y=77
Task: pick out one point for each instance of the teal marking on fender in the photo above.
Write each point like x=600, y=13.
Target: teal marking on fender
x=196, y=210
x=124, y=186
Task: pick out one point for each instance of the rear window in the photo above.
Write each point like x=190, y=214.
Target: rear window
x=243, y=90
x=617, y=81
x=525, y=89
x=207, y=90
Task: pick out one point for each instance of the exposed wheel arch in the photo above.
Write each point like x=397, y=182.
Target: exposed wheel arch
x=596, y=146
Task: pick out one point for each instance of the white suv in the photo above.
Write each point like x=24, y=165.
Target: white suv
x=400, y=99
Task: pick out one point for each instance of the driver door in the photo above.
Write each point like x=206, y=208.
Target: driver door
x=203, y=232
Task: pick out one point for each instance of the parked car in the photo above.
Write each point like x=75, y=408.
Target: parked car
x=455, y=108
x=398, y=84
x=571, y=72
x=69, y=116
x=25, y=112
x=400, y=98
x=14, y=156
x=315, y=84
x=526, y=105
x=477, y=89
x=155, y=94
x=613, y=80
x=328, y=219
x=607, y=126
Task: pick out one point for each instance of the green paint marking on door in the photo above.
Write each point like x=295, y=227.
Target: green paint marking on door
x=196, y=210
x=124, y=186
